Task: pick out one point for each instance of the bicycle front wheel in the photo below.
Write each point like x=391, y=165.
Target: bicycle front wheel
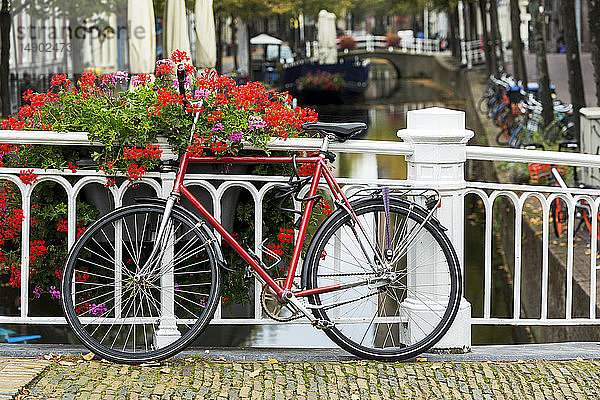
x=399, y=286
x=133, y=297
x=552, y=132
x=483, y=103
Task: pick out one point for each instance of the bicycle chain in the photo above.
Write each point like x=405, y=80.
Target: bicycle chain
x=336, y=305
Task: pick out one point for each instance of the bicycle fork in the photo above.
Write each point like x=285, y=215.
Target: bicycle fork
x=160, y=234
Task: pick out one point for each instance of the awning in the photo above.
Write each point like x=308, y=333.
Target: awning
x=263, y=38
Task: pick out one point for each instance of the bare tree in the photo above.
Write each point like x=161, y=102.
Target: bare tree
x=490, y=59
x=454, y=31
x=594, y=21
x=573, y=62
x=4, y=57
x=519, y=68
x=541, y=62
x=497, y=46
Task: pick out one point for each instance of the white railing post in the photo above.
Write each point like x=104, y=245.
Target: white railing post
x=590, y=141
x=167, y=331
x=439, y=138
x=369, y=43
x=470, y=54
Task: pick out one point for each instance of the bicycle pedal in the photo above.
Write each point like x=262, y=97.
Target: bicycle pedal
x=322, y=324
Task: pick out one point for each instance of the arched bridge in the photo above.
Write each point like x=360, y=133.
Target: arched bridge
x=406, y=64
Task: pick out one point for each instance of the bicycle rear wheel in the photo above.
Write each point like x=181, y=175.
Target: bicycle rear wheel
x=502, y=138
x=130, y=301
x=411, y=285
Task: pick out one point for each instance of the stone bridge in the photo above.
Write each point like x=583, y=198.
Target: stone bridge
x=407, y=65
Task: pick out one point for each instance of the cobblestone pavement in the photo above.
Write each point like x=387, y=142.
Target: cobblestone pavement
x=199, y=378
x=14, y=373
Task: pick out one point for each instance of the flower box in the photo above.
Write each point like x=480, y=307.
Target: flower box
x=126, y=126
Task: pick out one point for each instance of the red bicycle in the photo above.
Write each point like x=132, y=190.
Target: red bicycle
x=380, y=277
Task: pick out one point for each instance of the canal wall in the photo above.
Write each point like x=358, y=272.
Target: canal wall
x=465, y=85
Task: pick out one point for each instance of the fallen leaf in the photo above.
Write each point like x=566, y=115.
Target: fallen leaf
x=104, y=360
x=165, y=370
x=88, y=356
x=150, y=364
x=254, y=373
x=221, y=359
x=67, y=363
x=272, y=361
x=420, y=359
x=48, y=356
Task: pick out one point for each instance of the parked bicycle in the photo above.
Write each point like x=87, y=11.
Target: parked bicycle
x=379, y=277
x=556, y=175
x=516, y=109
x=559, y=209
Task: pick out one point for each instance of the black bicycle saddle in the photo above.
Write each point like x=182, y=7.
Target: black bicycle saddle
x=342, y=131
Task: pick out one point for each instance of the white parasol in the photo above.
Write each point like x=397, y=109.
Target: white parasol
x=206, y=43
x=104, y=48
x=175, y=28
x=326, y=37
x=142, y=39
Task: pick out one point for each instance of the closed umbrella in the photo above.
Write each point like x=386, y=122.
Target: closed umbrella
x=104, y=48
x=142, y=40
x=176, y=28
x=326, y=37
x=206, y=43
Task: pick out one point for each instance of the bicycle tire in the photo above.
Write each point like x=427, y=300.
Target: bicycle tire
x=502, y=138
x=552, y=132
x=483, y=104
x=116, y=312
x=412, y=337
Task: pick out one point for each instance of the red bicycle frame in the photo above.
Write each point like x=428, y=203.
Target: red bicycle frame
x=320, y=169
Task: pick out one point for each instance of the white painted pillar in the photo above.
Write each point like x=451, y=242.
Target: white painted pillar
x=426, y=23
x=439, y=138
x=167, y=331
x=590, y=142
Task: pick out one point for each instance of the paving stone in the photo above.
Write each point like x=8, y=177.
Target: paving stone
x=315, y=380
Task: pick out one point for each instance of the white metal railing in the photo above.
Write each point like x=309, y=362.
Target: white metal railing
x=472, y=52
x=407, y=45
x=540, y=199
x=434, y=147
